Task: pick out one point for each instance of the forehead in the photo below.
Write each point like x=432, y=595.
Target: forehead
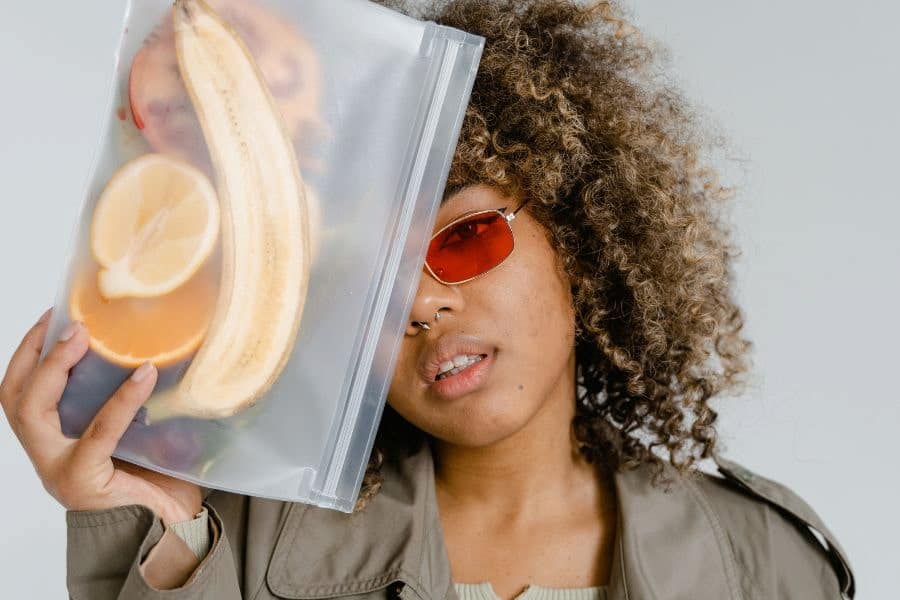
x=474, y=197
x=468, y=199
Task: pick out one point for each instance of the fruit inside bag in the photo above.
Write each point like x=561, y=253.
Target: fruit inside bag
x=223, y=239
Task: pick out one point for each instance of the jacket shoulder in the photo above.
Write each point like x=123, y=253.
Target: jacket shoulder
x=782, y=547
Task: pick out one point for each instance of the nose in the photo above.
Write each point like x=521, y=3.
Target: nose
x=431, y=297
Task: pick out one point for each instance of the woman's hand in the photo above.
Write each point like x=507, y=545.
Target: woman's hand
x=81, y=473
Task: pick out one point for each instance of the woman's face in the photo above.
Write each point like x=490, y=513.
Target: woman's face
x=518, y=316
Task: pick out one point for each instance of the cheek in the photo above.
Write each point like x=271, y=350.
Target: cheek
x=539, y=302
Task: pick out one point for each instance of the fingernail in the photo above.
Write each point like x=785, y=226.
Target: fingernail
x=141, y=373
x=46, y=315
x=70, y=331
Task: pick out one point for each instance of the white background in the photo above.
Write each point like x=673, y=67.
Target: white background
x=807, y=92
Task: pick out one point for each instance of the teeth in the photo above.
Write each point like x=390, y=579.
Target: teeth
x=459, y=362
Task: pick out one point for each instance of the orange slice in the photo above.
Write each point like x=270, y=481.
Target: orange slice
x=155, y=224
x=161, y=106
x=129, y=331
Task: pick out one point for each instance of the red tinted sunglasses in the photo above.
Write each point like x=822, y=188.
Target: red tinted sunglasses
x=471, y=245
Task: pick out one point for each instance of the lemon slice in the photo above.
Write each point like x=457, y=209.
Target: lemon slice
x=155, y=224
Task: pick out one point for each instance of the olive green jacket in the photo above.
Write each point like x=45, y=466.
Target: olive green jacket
x=739, y=536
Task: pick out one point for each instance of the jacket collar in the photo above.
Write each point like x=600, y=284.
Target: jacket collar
x=323, y=553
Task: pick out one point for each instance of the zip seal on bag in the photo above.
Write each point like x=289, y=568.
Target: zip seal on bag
x=445, y=47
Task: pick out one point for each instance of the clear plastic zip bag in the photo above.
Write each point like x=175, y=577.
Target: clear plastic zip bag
x=255, y=225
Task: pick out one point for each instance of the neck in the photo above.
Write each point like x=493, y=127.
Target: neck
x=523, y=473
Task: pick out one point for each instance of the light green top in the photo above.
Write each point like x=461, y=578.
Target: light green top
x=195, y=534
x=484, y=591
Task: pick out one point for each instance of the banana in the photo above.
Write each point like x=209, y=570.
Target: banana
x=266, y=246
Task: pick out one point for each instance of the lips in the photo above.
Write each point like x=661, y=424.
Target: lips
x=445, y=348
x=463, y=383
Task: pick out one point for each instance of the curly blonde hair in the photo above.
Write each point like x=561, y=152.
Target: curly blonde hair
x=567, y=112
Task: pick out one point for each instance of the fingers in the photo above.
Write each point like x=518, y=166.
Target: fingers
x=22, y=363
x=44, y=389
x=101, y=437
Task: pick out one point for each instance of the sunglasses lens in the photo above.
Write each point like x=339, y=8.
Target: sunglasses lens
x=470, y=247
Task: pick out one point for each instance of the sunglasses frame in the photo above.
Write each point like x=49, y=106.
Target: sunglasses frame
x=508, y=218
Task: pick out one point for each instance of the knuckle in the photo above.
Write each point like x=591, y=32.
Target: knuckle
x=63, y=353
x=56, y=358
x=97, y=431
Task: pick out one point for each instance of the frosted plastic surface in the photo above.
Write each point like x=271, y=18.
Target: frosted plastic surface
x=375, y=146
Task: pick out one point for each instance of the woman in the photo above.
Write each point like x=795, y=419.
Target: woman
x=549, y=404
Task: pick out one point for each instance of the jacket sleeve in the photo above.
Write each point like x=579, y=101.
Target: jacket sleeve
x=114, y=554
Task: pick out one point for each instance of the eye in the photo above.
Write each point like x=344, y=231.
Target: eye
x=466, y=230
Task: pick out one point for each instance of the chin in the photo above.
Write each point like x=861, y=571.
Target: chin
x=481, y=437
x=476, y=427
